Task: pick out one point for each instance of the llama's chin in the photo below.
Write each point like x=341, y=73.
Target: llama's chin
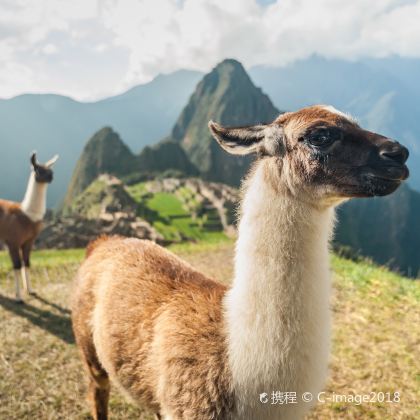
x=370, y=186
x=380, y=186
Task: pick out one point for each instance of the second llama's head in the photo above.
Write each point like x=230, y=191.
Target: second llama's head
x=43, y=172
x=320, y=154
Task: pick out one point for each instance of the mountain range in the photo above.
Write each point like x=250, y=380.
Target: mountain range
x=106, y=153
x=381, y=93
x=53, y=124
x=385, y=229
x=226, y=94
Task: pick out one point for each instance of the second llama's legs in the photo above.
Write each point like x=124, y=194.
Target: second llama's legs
x=26, y=253
x=27, y=280
x=18, y=293
x=15, y=256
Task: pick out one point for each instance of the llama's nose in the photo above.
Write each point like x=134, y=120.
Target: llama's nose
x=394, y=151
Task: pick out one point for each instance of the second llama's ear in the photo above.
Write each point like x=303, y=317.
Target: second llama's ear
x=33, y=160
x=51, y=162
x=245, y=140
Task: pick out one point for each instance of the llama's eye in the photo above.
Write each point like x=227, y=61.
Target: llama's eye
x=322, y=138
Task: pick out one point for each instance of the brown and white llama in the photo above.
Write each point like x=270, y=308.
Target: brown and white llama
x=20, y=223
x=189, y=347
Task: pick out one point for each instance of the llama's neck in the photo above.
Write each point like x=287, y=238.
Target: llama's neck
x=34, y=203
x=277, y=309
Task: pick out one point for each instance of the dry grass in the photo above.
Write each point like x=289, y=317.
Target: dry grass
x=376, y=341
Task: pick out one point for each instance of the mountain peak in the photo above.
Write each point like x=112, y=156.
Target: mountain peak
x=104, y=131
x=104, y=152
x=230, y=63
x=228, y=96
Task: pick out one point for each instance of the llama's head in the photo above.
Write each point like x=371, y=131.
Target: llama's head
x=43, y=172
x=320, y=153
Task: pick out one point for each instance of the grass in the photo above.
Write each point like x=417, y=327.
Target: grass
x=375, y=340
x=170, y=214
x=45, y=259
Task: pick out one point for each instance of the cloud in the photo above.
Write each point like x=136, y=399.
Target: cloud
x=164, y=35
x=154, y=36
x=49, y=49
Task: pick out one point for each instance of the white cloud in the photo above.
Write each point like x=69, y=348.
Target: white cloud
x=153, y=36
x=49, y=49
x=162, y=35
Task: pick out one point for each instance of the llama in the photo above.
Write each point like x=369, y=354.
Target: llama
x=20, y=223
x=188, y=347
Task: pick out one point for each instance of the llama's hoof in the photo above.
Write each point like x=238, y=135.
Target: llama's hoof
x=32, y=293
x=20, y=301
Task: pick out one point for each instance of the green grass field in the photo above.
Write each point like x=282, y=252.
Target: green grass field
x=375, y=342
x=169, y=215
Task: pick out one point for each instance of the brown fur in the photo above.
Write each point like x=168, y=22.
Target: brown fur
x=157, y=332
x=18, y=231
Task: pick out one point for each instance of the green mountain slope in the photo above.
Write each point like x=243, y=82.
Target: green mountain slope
x=228, y=96
x=186, y=209
x=387, y=229
x=164, y=156
x=105, y=152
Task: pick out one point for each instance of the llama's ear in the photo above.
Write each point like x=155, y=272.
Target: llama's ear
x=33, y=160
x=239, y=140
x=51, y=162
x=264, y=139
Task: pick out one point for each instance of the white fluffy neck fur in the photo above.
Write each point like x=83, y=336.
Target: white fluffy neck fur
x=34, y=204
x=277, y=311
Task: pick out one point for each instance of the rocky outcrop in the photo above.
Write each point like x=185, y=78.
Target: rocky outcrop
x=104, y=208
x=77, y=232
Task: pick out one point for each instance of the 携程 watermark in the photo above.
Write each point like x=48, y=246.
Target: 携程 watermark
x=290, y=397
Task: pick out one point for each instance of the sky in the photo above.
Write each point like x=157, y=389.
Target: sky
x=89, y=49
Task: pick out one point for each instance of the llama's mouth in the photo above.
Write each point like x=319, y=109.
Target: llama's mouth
x=386, y=182
x=390, y=173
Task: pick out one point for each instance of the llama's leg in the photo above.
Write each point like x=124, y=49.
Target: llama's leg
x=98, y=381
x=98, y=392
x=14, y=252
x=26, y=254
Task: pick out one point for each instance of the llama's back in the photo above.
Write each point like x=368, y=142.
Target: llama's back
x=156, y=325
x=15, y=225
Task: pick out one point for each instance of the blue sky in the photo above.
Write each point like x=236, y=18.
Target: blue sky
x=266, y=2
x=88, y=49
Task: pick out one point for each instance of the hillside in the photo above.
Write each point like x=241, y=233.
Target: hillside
x=228, y=96
x=105, y=152
x=374, y=349
x=178, y=210
x=386, y=229
x=162, y=157
x=187, y=209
